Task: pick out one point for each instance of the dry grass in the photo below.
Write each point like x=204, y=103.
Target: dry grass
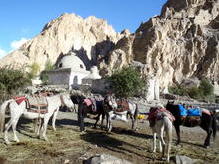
x=67, y=143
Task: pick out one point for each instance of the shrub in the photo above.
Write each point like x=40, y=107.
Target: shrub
x=49, y=66
x=34, y=70
x=11, y=80
x=127, y=82
x=206, y=87
x=203, y=92
x=178, y=90
x=194, y=92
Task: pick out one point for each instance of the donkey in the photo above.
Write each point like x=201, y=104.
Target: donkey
x=88, y=106
x=118, y=110
x=18, y=110
x=207, y=122
x=161, y=121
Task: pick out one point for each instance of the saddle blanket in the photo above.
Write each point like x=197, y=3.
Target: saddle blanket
x=123, y=105
x=20, y=99
x=91, y=102
x=33, y=104
x=189, y=112
x=157, y=114
x=88, y=102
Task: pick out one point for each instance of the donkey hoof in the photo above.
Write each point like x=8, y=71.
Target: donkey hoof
x=206, y=146
x=83, y=132
x=16, y=140
x=7, y=142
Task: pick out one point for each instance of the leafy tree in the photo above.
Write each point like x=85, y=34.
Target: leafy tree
x=127, y=82
x=12, y=80
x=34, y=70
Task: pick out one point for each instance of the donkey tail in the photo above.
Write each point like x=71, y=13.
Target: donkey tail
x=214, y=125
x=3, y=108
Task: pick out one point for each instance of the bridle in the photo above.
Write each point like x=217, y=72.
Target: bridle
x=107, y=100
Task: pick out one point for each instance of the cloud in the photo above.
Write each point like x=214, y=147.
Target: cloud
x=2, y=53
x=14, y=45
x=17, y=43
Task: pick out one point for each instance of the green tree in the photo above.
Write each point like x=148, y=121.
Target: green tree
x=12, y=80
x=34, y=70
x=127, y=82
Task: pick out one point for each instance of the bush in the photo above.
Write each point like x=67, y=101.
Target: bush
x=206, y=87
x=194, y=92
x=178, y=90
x=49, y=66
x=203, y=92
x=34, y=70
x=11, y=80
x=127, y=82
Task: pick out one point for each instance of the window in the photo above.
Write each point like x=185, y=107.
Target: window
x=60, y=65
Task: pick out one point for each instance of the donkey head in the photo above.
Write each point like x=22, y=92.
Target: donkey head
x=110, y=101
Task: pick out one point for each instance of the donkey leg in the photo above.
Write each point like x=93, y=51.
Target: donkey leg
x=81, y=116
x=45, y=124
x=168, y=150
x=54, y=120
x=39, y=127
x=7, y=126
x=14, y=125
x=110, y=124
x=97, y=119
x=208, y=138
x=103, y=117
x=178, y=134
x=154, y=142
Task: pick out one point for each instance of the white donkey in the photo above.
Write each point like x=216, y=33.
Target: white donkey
x=118, y=110
x=161, y=121
x=16, y=111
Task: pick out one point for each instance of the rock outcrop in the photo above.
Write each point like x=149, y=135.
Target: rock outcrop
x=88, y=37
x=181, y=43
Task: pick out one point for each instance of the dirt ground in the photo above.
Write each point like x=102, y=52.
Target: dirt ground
x=68, y=145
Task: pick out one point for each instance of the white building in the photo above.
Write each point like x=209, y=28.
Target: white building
x=71, y=70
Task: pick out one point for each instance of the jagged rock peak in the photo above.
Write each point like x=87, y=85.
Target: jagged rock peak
x=69, y=32
x=180, y=44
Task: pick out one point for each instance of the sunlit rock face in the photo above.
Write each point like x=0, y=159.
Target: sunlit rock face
x=181, y=43
x=90, y=37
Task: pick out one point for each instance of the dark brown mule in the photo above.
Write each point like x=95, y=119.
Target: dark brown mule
x=95, y=107
x=207, y=122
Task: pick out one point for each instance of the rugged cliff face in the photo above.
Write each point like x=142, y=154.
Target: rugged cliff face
x=87, y=37
x=180, y=43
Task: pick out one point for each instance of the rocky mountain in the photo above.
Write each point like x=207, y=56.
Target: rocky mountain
x=180, y=43
x=87, y=37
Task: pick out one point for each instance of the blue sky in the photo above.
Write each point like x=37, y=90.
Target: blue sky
x=23, y=19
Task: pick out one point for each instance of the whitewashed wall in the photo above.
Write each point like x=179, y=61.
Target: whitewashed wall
x=153, y=89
